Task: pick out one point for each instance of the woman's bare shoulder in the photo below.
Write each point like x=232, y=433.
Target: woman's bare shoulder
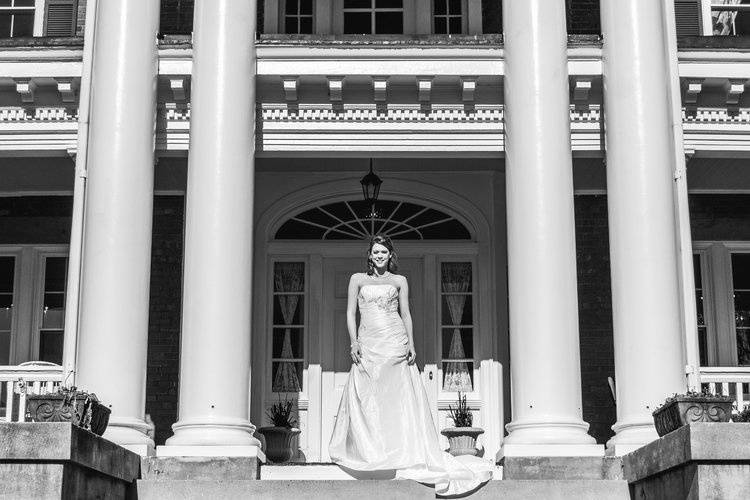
x=357, y=277
x=400, y=278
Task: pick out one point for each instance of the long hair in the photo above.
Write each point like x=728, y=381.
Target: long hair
x=379, y=239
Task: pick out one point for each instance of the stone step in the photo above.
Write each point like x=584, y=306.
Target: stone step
x=562, y=468
x=315, y=471
x=199, y=468
x=376, y=489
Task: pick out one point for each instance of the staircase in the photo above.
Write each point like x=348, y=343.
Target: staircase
x=235, y=477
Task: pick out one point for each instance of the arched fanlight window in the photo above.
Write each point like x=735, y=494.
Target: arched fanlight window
x=349, y=220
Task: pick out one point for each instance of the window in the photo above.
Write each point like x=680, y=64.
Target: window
x=457, y=326
x=298, y=17
x=7, y=278
x=447, y=17
x=355, y=220
x=741, y=299
x=288, y=326
x=373, y=17
x=16, y=18
x=729, y=18
x=52, y=310
x=722, y=284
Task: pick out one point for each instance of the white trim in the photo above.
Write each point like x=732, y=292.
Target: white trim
x=39, y=17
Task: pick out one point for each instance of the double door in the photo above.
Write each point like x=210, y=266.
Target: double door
x=310, y=349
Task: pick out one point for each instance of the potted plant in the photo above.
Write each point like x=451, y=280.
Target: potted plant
x=462, y=438
x=68, y=404
x=684, y=409
x=279, y=436
x=742, y=416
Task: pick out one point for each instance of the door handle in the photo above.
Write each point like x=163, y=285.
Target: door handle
x=430, y=374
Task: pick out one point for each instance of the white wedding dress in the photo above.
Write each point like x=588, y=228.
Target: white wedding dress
x=384, y=421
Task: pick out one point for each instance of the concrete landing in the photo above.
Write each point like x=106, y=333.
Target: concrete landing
x=376, y=489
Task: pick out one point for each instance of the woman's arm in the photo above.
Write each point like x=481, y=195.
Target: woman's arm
x=403, y=303
x=351, y=318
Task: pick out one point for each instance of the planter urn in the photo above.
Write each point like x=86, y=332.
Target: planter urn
x=462, y=440
x=685, y=410
x=78, y=409
x=279, y=447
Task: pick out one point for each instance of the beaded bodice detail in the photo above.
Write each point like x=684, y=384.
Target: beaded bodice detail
x=383, y=296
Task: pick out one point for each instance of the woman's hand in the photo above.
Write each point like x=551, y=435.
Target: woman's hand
x=356, y=353
x=411, y=355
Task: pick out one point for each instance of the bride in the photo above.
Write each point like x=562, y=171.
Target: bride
x=384, y=421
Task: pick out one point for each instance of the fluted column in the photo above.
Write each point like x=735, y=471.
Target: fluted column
x=545, y=358
x=114, y=306
x=649, y=362
x=215, y=350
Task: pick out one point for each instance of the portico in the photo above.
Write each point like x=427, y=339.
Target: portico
x=480, y=135
x=218, y=277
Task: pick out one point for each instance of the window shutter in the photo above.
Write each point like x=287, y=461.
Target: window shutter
x=60, y=18
x=688, y=17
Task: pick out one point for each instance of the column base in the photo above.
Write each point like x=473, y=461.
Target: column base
x=213, y=432
x=558, y=432
x=131, y=434
x=629, y=436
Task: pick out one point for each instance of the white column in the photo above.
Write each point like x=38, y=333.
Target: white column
x=215, y=353
x=649, y=362
x=114, y=307
x=545, y=358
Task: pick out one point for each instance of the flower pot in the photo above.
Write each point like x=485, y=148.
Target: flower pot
x=77, y=408
x=279, y=443
x=684, y=410
x=462, y=440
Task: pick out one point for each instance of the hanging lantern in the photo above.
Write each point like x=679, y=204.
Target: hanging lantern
x=371, y=186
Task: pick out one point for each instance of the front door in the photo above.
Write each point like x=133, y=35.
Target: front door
x=334, y=338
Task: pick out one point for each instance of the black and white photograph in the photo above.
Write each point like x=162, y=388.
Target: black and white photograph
x=375, y=249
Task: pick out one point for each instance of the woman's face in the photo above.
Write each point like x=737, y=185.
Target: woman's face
x=380, y=255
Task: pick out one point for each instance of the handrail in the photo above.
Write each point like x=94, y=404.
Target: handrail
x=729, y=381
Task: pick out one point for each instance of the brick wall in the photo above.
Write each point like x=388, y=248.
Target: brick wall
x=80, y=17
x=583, y=17
x=35, y=220
x=492, y=16
x=595, y=314
x=164, y=315
x=176, y=17
x=723, y=217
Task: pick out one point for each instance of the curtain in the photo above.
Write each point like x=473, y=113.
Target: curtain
x=723, y=21
x=288, y=277
x=456, y=279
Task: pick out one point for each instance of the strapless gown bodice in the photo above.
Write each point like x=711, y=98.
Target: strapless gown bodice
x=384, y=421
